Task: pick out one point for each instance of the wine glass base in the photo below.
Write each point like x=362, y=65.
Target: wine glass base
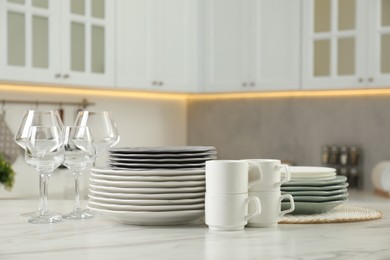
x=46, y=218
x=79, y=215
x=37, y=213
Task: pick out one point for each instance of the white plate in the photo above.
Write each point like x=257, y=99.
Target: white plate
x=314, y=188
x=147, y=202
x=118, y=207
x=147, y=184
x=147, y=190
x=152, y=218
x=155, y=165
x=163, y=149
x=147, y=196
x=111, y=177
x=308, y=208
x=310, y=170
x=154, y=172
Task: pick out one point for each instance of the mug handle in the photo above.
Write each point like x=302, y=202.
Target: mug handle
x=286, y=175
x=291, y=209
x=259, y=175
x=258, y=207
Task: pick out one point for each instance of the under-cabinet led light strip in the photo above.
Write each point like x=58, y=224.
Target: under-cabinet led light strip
x=183, y=96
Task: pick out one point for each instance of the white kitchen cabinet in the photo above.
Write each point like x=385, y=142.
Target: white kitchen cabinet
x=346, y=44
x=251, y=45
x=57, y=42
x=157, y=45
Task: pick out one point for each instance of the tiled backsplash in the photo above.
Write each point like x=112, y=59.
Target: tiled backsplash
x=293, y=129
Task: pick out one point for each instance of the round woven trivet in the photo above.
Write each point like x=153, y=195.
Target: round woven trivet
x=339, y=214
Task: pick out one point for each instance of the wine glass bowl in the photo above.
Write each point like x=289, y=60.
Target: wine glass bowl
x=102, y=127
x=36, y=118
x=103, y=130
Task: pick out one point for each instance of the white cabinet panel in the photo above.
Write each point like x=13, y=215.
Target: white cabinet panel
x=226, y=45
x=156, y=46
x=252, y=45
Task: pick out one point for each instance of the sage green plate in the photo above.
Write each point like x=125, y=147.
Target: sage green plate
x=314, y=188
x=342, y=196
x=336, y=181
x=310, y=208
x=316, y=193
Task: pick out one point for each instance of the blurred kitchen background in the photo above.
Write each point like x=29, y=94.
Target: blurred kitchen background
x=281, y=79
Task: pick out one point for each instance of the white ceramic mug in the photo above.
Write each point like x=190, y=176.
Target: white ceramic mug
x=271, y=208
x=274, y=174
x=229, y=211
x=231, y=176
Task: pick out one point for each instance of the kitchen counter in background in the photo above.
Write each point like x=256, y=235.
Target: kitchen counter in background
x=102, y=238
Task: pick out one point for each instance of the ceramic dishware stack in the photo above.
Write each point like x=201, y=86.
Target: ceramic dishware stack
x=274, y=174
x=315, y=189
x=151, y=185
x=227, y=200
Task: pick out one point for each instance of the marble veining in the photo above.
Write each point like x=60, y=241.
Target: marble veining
x=102, y=238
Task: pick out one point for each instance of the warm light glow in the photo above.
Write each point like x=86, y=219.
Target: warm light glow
x=182, y=96
x=91, y=92
x=295, y=94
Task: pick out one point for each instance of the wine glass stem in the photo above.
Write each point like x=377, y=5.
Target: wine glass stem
x=77, y=190
x=43, y=192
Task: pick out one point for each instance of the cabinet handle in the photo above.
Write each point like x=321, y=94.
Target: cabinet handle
x=253, y=84
x=58, y=75
x=244, y=84
x=370, y=79
x=154, y=83
x=65, y=76
x=360, y=80
x=161, y=83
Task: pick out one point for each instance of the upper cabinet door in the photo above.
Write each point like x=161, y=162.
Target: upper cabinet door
x=135, y=41
x=379, y=43
x=156, y=44
x=252, y=45
x=276, y=45
x=334, y=46
x=29, y=45
x=88, y=42
x=176, y=43
x=227, y=45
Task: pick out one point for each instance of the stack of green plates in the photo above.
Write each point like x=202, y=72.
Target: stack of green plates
x=316, y=196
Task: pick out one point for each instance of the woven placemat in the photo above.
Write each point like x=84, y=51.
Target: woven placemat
x=339, y=214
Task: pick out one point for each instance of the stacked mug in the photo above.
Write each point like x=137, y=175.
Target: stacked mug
x=274, y=174
x=227, y=200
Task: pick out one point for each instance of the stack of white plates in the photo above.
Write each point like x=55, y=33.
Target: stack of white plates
x=151, y=186
x=315, y=189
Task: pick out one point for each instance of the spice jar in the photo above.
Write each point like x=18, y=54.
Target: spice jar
x=343, y=156
x=334, y=155
x=354, y=155
x=325, y=151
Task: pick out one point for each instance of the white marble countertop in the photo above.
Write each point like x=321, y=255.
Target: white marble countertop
x=102, y=238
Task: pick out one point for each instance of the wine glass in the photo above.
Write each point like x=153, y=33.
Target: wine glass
x=36, y=118
x=102, y=127
x=43, y=151
x=79, y=153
